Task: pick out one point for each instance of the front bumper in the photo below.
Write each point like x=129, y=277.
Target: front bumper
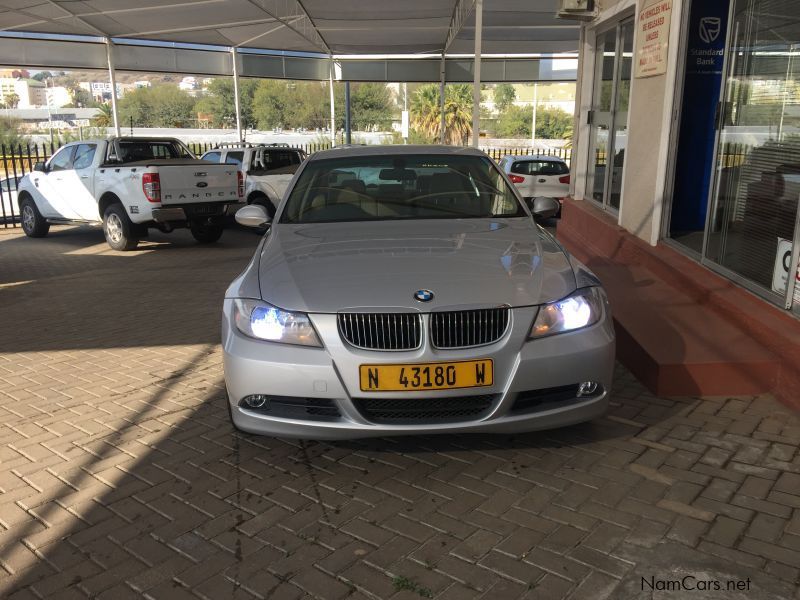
x=331, y=374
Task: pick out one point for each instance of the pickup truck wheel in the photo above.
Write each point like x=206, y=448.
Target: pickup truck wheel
x=118, y=228
x=205, y=233
x=33, y=223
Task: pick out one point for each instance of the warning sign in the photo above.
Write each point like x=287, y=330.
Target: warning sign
x=652, y=38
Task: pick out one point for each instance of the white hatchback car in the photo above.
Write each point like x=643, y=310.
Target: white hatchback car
x=538, y=175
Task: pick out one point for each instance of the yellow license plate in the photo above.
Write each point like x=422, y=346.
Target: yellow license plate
x=427, y=376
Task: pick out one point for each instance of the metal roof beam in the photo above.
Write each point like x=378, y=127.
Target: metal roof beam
x=461, y=12
x=292, y=14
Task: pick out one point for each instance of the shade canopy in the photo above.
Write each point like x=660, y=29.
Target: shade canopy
x=341, y=27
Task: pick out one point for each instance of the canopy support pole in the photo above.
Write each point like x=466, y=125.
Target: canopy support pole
x=333, y=108
x=347, y=123
x=237, y=103
x=476, y=83
x=441, y=101
x=113, y=80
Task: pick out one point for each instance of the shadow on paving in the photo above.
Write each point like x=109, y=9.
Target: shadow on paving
x=88, y=296
x=122, y=477
x=166, y=498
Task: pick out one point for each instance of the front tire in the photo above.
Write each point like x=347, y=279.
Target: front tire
x=33, y=223
x=118, y=229
x=206, y=233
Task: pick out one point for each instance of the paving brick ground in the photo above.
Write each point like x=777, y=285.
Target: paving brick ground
x=120, y=476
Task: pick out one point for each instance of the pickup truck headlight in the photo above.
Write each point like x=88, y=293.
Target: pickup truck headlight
x=582, y=309
x=262, y=321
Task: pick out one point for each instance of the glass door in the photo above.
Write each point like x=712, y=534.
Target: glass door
x=609, y=114
x=752, y=219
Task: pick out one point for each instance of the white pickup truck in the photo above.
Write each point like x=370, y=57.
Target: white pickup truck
x=129, y=185
x=267, y=169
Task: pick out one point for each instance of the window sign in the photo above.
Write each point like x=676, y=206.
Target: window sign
x=652, y=39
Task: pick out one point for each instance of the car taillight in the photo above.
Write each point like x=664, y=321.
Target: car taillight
x=151, y=185
x=240, y=180
x=516, y=178
x=564, y=179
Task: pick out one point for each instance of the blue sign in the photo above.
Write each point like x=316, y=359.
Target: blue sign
x=705, y=56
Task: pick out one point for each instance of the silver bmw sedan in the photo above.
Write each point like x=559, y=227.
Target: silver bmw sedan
x=408, y=290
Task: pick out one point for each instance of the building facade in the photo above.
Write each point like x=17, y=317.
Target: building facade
x=24, y=93
x=688, y=133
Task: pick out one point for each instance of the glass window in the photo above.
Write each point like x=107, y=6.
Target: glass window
x=370, y=188
x=758, y=161
x=540, y=167
x=265, y=159
x=609, y=114
x=84, y=156
x=142, y=150
x=62, y=160
x=212, y=156
x=234, y=158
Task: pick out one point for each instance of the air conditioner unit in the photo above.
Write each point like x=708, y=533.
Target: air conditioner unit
x=578, y=10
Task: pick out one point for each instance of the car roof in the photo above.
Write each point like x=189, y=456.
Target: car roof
x=395, y=150
x=523, y=157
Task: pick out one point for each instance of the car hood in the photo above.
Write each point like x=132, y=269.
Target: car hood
x=325, y=268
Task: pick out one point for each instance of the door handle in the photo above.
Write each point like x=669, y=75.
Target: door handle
x=84, y=177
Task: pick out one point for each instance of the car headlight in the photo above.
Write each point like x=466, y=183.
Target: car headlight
x=262, y=321
x=581, y=309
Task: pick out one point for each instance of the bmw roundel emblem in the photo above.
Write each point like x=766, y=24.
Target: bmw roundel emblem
x=423, y=295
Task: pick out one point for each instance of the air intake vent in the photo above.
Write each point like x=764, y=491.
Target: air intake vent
x=399, y=411
x=381, y=331
x=468, y=328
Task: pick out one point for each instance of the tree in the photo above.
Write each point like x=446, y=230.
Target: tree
x=157, y=106
x=370, y=106
x=79, y=97
x=219, y=102
x=504, y=96
x=270, y=102
x=104, y=118
x=12, y=100
x=426, y=112
x=551, y=123
x=307, y=104
x=10, y=132
x=42, y=75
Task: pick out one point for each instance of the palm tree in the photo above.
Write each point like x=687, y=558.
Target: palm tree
x=426, y=115
x=457, y=114
x=12, y=100
x=104, y=118
x=425, y=111
x=568, y=135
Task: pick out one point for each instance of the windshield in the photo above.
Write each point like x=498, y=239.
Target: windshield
x=373, y=188
x=136, y=150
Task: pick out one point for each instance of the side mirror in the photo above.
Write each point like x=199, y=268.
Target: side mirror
x=40, y=166
x=113, y=158
x=254, y=215
x=545, y=208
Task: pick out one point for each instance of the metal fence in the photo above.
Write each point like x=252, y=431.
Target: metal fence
x=18, y=160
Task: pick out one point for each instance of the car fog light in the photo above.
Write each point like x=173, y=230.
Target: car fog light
x=587, y=388
x=255, y=401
